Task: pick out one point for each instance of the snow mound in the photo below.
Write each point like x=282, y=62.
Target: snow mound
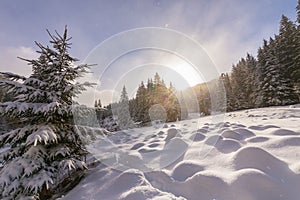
x=232, y=135
x=258, y=139
x=227, y=146
x=262, y=127
x=185, y=169
x=212, y=140
x=284, y=132
x=257, y=158
x=197, y=137
x=245, y=133
x=171, y=133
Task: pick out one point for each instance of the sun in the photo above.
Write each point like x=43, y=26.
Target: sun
x=189, y=73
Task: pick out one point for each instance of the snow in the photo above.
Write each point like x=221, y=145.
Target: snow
x=251, y=155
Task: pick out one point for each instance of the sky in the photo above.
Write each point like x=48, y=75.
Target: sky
x=222, y=31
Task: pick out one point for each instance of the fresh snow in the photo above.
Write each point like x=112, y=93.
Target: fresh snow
x=250, y=155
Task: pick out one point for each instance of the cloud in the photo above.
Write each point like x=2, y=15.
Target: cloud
x=226, y=29
x=10, y=63
x=226, y=48
x=228, y=34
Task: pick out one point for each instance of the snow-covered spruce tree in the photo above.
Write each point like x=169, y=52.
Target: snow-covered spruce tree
x=142, y=103
x=242, y=80
x=296, y=67
x=46, y=148
x=4, y=125
x=123, y=114
x=287, y=53
x=275, y=86
x=230, y=99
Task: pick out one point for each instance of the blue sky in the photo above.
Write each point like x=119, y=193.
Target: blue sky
x=226, y=29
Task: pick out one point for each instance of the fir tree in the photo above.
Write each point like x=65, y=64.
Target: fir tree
x=143, y=103
x=286, y=47
x=98, y=104
x=238, y=77
x=204, y=99
x=123, y=114
x=172, y=88
x=230, y=105
x=242, y=83
x=296, y=70
x=260, y=72
x=298, y=11
x=218, y=94
x=157, y=80
x=277, y=88
x=46, y=148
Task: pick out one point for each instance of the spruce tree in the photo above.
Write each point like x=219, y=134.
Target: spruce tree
x=230, y=99
x=277, y=88
x=260, y=74
x=238, y=77
x=46, y=148
x=242, y=82
x=298, y=11
x=296, y=70
x=124, y=119
x=251, y=64
x=286, y=49
x=204, y=99
x=143, y=103
x=5, y=123
x=286, y=46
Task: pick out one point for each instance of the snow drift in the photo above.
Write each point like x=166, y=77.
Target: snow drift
x=252, y=155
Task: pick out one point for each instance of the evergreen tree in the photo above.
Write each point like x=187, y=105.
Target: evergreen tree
x=218, y=94
x=100, y=112
x=260, y=72
x=47, y=147
x=230, y=99
x=242, y=83
x=157, y=80
x=238, y=77
x=150, y=85
x=286, y=46
x=298, y=11
x=286, y=50
x=99, y=105
x=277, y=88
x=143, y=103
x=124, y=119
x=251, y=64
x=3, y=120
x=204, y=99
x=296, y=70
x=96, y=104
x=172, y=88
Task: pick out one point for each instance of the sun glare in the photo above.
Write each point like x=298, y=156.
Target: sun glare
x=188, y=73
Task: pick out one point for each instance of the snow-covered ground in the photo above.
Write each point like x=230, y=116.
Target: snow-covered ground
x=248, y=155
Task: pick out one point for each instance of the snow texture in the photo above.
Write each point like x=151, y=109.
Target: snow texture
x=245, y=157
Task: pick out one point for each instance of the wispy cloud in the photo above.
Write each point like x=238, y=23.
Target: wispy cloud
x=226, y=29
x=10, y=63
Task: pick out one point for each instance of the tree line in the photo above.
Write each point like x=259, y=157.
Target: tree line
x=272, y=78
x=154, y=101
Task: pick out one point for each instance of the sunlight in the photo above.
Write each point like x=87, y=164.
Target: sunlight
x=188, y=72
